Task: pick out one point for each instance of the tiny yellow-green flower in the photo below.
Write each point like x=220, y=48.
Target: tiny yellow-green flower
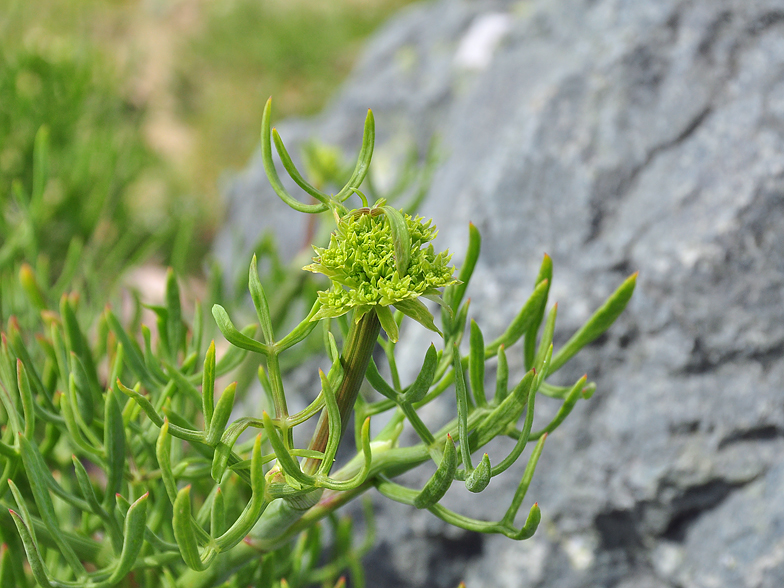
x=364, y=266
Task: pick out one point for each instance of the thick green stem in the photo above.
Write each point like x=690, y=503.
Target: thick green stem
x=357, y=351
x=392, y=463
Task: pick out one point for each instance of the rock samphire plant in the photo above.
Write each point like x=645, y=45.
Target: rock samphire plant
x=124, y=465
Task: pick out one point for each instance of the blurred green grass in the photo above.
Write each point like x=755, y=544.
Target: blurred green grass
x=148, y=102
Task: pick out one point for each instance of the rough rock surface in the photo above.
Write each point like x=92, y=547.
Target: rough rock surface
x=617, y=136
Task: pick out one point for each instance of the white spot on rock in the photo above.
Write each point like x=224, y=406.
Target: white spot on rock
x=479, y=42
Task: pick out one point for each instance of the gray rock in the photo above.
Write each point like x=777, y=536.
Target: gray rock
x=616, y=136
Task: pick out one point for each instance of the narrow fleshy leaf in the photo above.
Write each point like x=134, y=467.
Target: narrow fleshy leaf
x=293, y=172
x=28, y=405
x=476, y=364
x=40, y=490
x=208, y=385
x=254, y=509
x=9, y=404
x=222, y=414
x=524, y=437
x=114, y=445
x=68, y=409
x=174, y=326
x=218, y=514
x=462, y=408
x=547, y=337
x=234, y=355
x=184, y=533
x=31, y=549
x=163, y=454
x=335, y=425
x=480, y=477
x=523, y=321
x=363, y=159
x=86, y=487
x=133, y=533
x=441, y=480
x=76, y=340
x=332, y=350
x=413, y=308
x=287, y=462
x=197, y=328
x=531, y=524
x=132, y=352
x=454, y=293
x=302, y=330
x=458, y=326
x=360, y=477
x=22, y=353
x=599, y=322
x=272, y=174
x=142, y=401
x=545, y=273
x=522, y=488
x=377, y=381
x=571, y=399
x=501, y=377
x=388, y=322
x=84, y=399
x=260, y=302
x=505, y=413
x=234, y=336
x=60, y=348
x=424, y=379
x=542, y=368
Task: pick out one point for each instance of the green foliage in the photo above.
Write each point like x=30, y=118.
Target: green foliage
x=123, y=466
x=71, y=158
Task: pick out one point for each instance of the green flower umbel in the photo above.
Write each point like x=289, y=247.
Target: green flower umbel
x=378, y=258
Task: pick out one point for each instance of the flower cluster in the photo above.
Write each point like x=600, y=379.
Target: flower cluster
x=361, y=262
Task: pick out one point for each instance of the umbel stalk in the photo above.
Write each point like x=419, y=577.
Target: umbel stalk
x=357, y=351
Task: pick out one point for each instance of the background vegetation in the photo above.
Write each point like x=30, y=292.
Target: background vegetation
x=148, y=102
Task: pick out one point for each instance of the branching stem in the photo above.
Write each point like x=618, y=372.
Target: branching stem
x=358, y=349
